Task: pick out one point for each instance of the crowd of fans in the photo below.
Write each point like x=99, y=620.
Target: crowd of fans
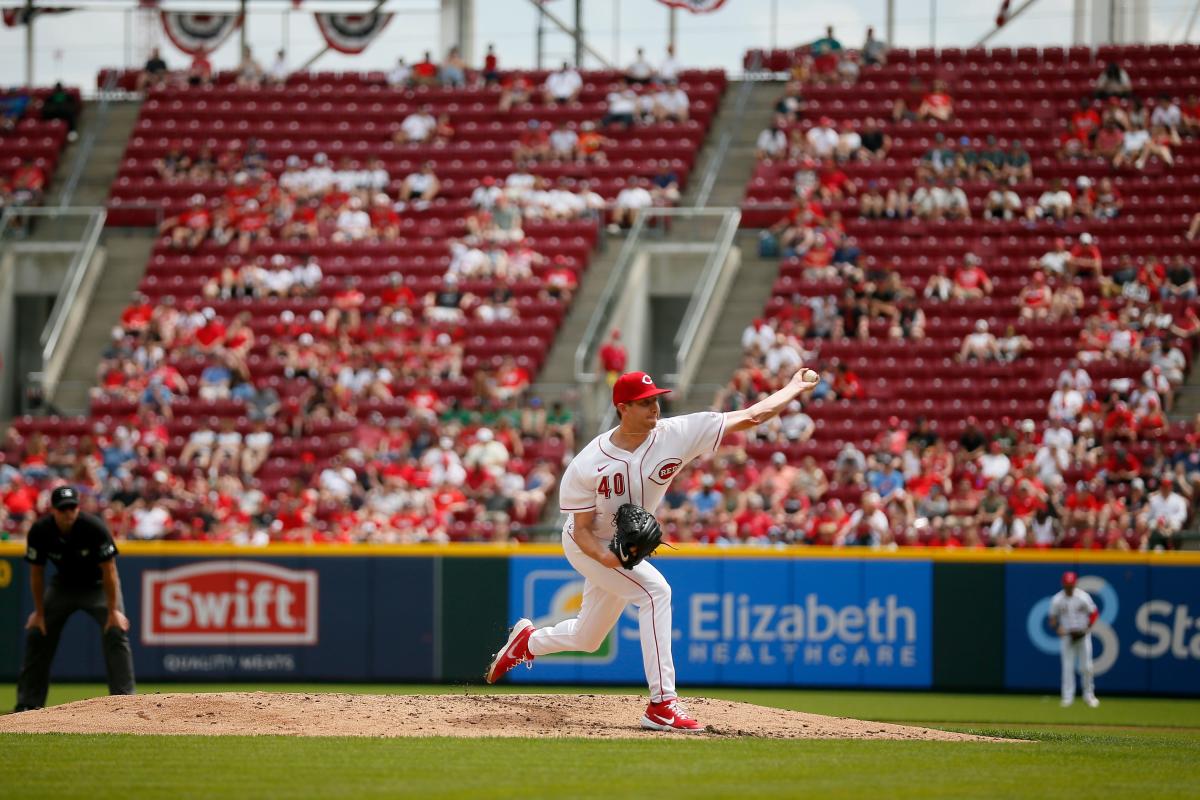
x=25, y=185
x=1104, y=469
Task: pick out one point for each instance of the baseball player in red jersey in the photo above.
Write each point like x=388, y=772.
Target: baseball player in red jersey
x=632, y=463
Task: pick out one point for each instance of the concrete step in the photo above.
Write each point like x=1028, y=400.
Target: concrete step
x=128, y=251
x=558, y=373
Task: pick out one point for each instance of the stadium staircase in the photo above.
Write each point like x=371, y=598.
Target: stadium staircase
x=128, y=249
x=750, y=292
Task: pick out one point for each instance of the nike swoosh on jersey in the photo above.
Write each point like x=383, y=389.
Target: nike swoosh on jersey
x=602, y=468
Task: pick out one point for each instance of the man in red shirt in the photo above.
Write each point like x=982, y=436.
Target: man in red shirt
x=136, y=317
x=970, y=281
x=28, y=183
x=425, y=72
x=613, y=357
x=1085, y=257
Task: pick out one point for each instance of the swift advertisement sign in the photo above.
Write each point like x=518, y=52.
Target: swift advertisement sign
x=229, y=603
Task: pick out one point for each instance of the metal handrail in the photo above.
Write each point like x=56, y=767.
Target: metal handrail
x=89, y=142
x=728, y=131
x=78, y=270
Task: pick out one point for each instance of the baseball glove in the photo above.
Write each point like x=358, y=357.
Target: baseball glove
x=638, y=535
x=1077, y=635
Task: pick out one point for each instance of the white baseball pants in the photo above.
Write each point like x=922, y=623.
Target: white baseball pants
x=606, y=592
x=1076, y=655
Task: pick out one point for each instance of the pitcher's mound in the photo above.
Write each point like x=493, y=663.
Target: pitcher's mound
x=320, y=714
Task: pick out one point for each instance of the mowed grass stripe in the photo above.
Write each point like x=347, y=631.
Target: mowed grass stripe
x=1058, y=765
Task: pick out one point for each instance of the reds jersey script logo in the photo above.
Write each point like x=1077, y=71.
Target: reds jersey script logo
x=229, y=602
x=665, y=470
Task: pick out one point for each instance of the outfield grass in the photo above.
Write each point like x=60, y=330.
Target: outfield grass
x=1127, y=747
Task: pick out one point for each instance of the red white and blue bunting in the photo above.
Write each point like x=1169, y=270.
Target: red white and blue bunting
x=15, y=17
x=695, y=6
x=199, y=33
x=351, y=33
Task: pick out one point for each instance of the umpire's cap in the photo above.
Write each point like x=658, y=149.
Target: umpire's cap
x=635, y=386
x=64, y=497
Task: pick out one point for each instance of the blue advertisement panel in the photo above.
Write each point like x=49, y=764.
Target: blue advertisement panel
x=1144, y=640
x=266, y=619
x=751, y=622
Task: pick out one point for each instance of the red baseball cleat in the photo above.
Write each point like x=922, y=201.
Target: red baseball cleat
x=670, y=716
x=515, y=651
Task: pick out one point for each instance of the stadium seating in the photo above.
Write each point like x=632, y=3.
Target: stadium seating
x=1024, y=96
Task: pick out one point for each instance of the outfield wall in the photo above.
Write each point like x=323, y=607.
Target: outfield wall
x=742, y=616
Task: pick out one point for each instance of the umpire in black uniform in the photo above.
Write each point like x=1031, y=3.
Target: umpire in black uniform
x=85, y=578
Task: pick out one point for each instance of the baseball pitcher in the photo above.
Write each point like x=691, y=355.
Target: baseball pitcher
x=609, y=493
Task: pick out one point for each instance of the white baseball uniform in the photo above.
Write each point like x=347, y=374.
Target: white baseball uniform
x=1074, y=613
x=601, y=478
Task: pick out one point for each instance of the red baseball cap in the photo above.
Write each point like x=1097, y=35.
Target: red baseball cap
x=1069, y=578
x=635, y=386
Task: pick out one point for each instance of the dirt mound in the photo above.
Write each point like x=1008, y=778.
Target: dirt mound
x=321, y=714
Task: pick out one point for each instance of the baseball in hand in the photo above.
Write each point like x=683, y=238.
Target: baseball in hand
x=811, y=376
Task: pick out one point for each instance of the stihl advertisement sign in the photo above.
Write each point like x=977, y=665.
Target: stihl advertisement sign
x=229, y=602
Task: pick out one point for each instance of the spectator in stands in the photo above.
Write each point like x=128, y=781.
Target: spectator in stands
x=1086, y=257
x=980, y=345
x=613, y=357
x=154, y=73
x=1113, y=81
x=1056, y=203
x=1003, y=203
x=937, y=105
x=563, y=143
x=249, y=71
x=279, y=72
x=562, y=86
x=1109, y=141
x=1135, y=143
x=1166, y=514
x=1018, y=164
x=533, y=144
x=874, y=52
x=425, y=72
x=453, y=71
x=28, y=184
x=421, y=187
x=491, y=66
x=1054, y=261
x=867, y=526
x=939, y=287
x=1036, y=299
x=622, y=107
x=773, y=141
x=826, y=55
x=875, y=143
x=641, y=70
x=631, y=199
x=1180, y=282
x=822, y=139
x=353, y=222
x=670, y=103
x=970, y=281
x=400, y=75
x=199, y=72
x=792, y=104
x=1105, y=202
x=417, y=127
x=61, y=104
x=191, y=227
x=1012, y=345
x=515, y=90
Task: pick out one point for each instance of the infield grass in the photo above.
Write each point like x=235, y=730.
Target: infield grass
x=1128, y=747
